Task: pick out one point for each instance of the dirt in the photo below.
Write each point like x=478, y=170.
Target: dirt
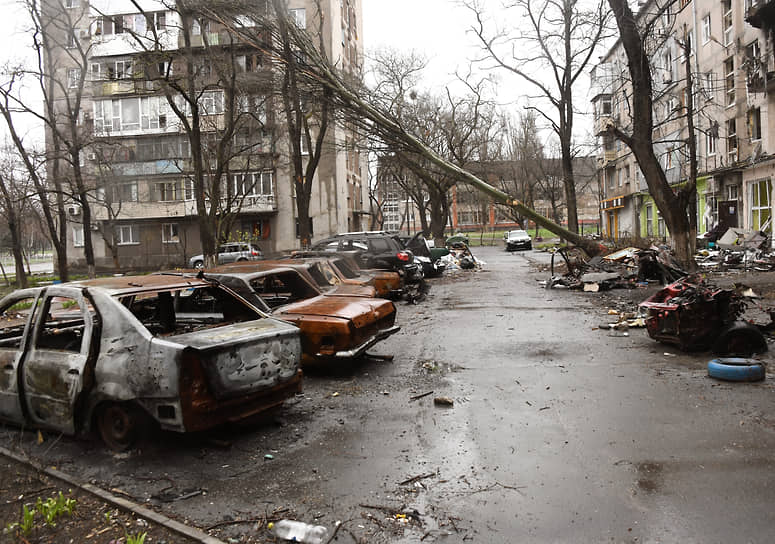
x=91, y=520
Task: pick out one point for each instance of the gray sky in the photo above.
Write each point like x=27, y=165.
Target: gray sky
x=435, y=28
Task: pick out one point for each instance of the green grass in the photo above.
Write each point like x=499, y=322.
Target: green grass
x=495, y=237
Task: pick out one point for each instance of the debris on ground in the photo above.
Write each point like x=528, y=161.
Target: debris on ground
x=694, y=314
x=461, y=258
x=625, y=268
x=737, y=249
x=443, y=401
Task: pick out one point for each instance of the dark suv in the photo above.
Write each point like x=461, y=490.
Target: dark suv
x=374, y=249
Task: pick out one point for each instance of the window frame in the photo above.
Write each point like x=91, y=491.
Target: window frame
x=134, y=235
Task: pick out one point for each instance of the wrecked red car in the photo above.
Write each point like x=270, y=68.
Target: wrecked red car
x=696, y=315
x=122, y=353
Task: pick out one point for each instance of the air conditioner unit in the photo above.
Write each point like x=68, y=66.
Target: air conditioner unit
x=91, y=155
x=667, y=78
x=74, y=210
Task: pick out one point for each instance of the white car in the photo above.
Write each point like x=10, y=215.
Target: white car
x=517, y=239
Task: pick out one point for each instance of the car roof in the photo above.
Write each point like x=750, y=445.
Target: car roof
x=127, y=285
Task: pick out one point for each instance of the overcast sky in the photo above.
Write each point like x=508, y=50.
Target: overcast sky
x=435, y=28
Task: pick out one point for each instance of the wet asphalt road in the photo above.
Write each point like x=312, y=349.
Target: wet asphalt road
x=558, y=433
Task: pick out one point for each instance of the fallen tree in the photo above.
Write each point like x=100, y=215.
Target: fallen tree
x=349, y=94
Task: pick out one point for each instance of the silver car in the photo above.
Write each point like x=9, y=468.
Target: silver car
x=120, y=354
x=230, y=253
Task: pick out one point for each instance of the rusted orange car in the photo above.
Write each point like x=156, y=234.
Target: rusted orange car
x=388, y=284
x=317, y=271
x=332, y=327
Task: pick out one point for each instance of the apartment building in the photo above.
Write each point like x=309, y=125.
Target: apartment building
x=137, y=156
x=730, y=60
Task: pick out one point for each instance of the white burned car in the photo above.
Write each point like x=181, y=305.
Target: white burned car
x=121, y=353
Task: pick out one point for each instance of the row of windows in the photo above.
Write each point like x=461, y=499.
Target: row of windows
x=128, y=235
x=137, y=113
x=242, y=185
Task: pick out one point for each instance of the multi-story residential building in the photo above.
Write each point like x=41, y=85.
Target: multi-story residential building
x=138, y=157
x=732, y=69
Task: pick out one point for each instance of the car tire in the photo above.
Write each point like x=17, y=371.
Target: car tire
x=199, y=265
x=740, y=339
x=121, y=425
x=736, y=369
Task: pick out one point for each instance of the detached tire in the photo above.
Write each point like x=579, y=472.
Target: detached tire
x=121, y=425
x=736, y=369
x=740, y=339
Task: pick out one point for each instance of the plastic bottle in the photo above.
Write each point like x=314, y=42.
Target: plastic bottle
x=298, y=531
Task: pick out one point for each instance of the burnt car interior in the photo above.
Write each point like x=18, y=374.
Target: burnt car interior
x=62, y=329
x=187, y=310
x=282, y=288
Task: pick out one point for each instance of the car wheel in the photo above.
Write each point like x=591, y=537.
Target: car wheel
x=121, y=425
x=530, y=246
x=740, y=340
x=736, y=369
x=199, y=265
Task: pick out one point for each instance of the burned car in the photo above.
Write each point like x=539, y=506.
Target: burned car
x=387, y=284
x=119, y=354
x=332, y=327
x=695, y=315
x=317, y=271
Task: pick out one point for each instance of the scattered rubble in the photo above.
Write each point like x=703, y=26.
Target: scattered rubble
x=625, y=268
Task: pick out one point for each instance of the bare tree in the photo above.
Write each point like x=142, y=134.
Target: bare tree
x=676, y=206
x=561, y=38
x=14, y=205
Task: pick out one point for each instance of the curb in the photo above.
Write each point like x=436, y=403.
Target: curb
x=119, y=502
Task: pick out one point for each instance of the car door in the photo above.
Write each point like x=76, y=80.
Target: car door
x=227, y=254
x=16, y=317
x=54, y=369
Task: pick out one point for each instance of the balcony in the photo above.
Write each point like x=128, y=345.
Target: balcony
x=250, y=204
x=149, y=168
x=762, y=15
x=604, y=122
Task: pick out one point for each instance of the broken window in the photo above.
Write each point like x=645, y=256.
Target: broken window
x=760, y=203
x=186, y=310
x=64, y=325
x=282, y=288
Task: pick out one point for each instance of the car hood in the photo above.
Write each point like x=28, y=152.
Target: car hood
x=519, y=238
x=358, y=310
x=352, y=290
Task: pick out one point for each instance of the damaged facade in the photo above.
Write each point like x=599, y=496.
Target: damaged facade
x=733, y=69
x=138, y=162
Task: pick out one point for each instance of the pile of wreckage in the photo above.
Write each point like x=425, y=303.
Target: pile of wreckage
x=737, y=249
x=625, y=268
x=461, y=258
x=690, y=312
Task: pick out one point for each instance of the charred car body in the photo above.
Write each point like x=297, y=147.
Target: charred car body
x=332, y=327
x=387, y=283
x=317, y=271
x=695, y=315
x=120, y=353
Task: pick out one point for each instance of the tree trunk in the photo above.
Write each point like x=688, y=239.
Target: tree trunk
x=672, y=206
